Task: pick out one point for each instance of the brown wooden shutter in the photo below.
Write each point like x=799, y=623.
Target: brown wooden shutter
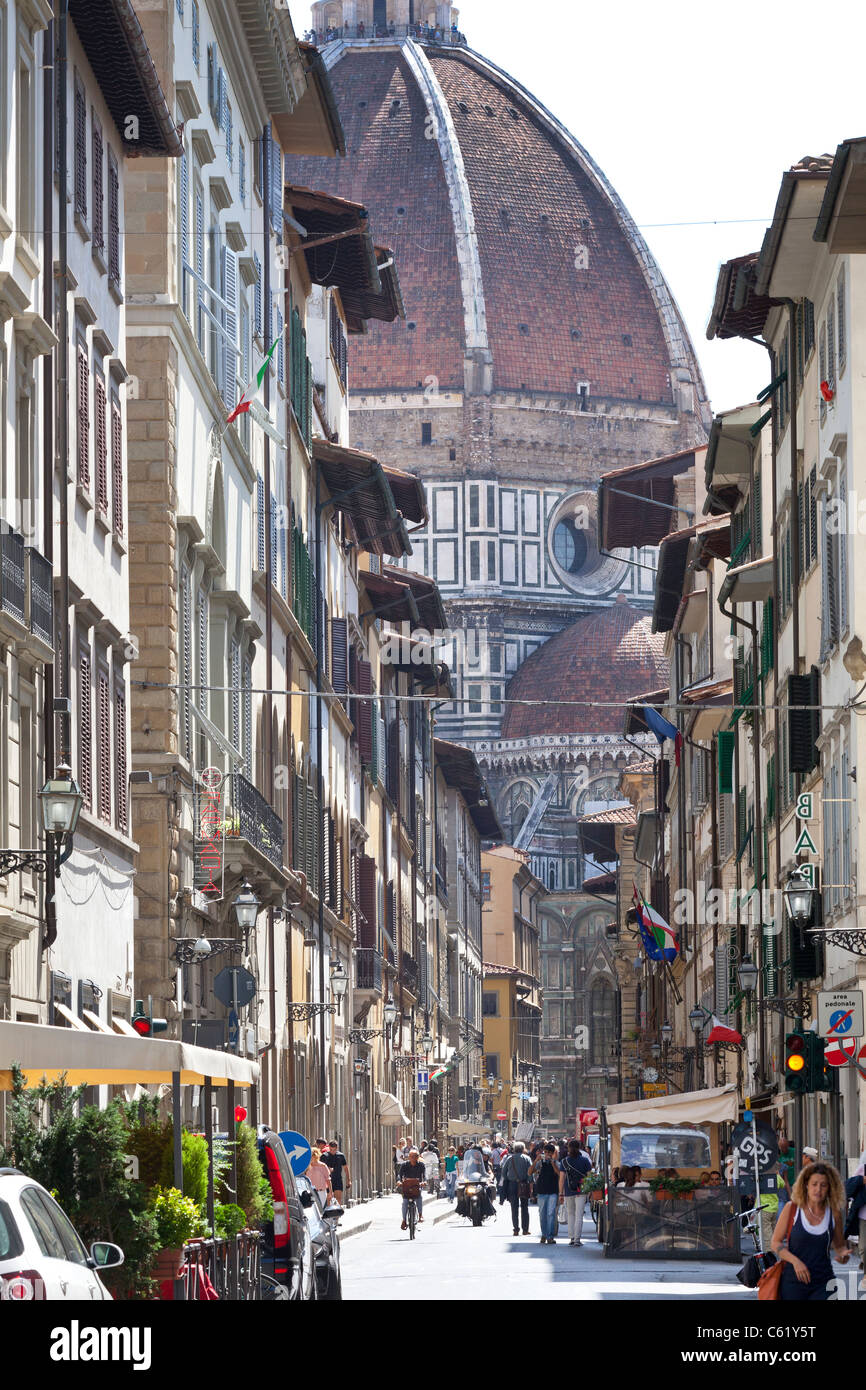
x=83, y=417
x=390, y=921
x=367, y=927
x=353, y=890
x=340, y=655
x=98, y=220
x=120, y=758
x=103, y=747
x=113, y=221
x=80, y=151
x=101, y=449
x=117, y=468
x=803, y=723
x=339, y=905
x=363, y=713
x=85, y=729
x=327, y=852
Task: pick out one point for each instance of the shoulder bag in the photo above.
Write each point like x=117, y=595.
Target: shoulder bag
x=768, y=1284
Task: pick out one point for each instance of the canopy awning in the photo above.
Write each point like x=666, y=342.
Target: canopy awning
x=637, y=505
x=389, y=1109
x=341, y=253
x=389, y=599
x=359, y=488
x=426, y=590
x=717, y=1106
x=461, y=771
x=752, y=583
x=94, y=1059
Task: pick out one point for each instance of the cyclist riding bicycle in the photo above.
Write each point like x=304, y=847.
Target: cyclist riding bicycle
x=410, y=1180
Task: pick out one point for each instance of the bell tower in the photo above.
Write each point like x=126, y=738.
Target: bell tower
x=380, y=14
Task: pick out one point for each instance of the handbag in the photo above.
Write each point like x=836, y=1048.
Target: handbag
x=768, y=1284
x=523, y=1191
x=754, y=1267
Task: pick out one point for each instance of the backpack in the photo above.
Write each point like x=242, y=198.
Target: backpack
x=576, y=1170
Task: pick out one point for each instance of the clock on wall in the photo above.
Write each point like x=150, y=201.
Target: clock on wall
x=650, y=1074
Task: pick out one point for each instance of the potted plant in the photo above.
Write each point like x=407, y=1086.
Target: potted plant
x=666, y=1188
x=178, y=1220
x=593, y=1187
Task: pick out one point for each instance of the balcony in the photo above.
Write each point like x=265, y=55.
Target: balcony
x=369, y=969
x=410, y=971
x=26, y=599
x=256, y=821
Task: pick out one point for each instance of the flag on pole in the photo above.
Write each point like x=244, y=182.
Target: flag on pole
x=254, y=387
x=720, y=1032
x=659, y=941
x=663, y=729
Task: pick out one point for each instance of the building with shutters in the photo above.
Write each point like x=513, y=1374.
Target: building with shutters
x=66, y=944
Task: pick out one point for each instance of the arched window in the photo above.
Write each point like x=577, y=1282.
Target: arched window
x=602, y=1016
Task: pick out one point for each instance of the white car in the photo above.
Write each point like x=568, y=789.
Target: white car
x=41, y=1254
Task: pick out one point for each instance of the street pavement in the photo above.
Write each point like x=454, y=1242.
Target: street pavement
x=450, y=1259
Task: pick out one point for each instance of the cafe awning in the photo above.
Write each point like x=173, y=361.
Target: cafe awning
x=389, y=1109
x=95, y=1059
x=717, y=1106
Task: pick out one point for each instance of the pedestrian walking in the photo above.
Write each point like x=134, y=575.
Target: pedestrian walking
x=515, y=1185
x=451, y=1162
x=575, y=1167
x=319, y=1174
x=339, y=1165
x=546, y=1171
x=808, y=1227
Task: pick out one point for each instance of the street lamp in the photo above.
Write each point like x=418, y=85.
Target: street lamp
x=61, y=799
x=426, y=1041
x=800, y=898
x=655, y=1049
x=339, y=981
x=389, y=1012
x=246, y=906
x=667, y=1033
x=697, y=1018
x=747, y=975
x=637, y=963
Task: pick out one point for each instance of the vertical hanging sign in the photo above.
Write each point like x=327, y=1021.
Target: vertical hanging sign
x=208, y=835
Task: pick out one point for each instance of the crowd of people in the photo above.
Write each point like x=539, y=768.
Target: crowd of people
x=424, y=33
x=549, y=1175
x=328, y=1170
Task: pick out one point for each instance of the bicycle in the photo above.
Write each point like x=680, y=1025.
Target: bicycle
x=411, y=1217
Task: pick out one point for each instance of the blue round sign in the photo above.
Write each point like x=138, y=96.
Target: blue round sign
x=841, y=1021
x=298, y=1150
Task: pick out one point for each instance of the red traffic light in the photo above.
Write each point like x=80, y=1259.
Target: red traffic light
x=141, y=1024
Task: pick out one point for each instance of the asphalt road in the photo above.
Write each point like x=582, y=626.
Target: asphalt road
x=449, y=1259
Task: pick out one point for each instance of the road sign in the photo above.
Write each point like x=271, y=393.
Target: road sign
x=654, y=1088
x=244, y=990
x=298, y=1149
x=234, y=1030
x=763, y=1143
x=502, y=1114
x=838, y=1053
x=840, y=1013
x=423, y=1081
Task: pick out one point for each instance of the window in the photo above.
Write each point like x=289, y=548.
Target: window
x=113, y=223
x=822, y=372
x=491, y=1062
x=85, y=730
x=242, y=171
x=485, y=886
x=103, y=745
x=199, y=262
x=489, y=1004
x=26, y=152
x=474, y=561
x=840, y=319
x=474, y=692
x=257, y=297
x=235, y=681
x=80, y=150
x=100, y=444
x=186, y=659
x=213, y=81
x=83, y=414
x=98, y=243
x=426, y=432
x=183, y=218
x=831, y=343
x=473, y=505
x=116, y=465
x=227, y=126
x=47, y=1237
x=120, y=760
x=491, y=508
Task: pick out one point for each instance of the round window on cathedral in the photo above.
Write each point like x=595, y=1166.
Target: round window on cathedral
x=575, y=558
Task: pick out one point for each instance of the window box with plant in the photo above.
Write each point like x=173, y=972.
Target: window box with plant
x=667, y=1188
x=593, y=1187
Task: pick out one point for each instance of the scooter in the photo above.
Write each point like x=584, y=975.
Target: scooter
x=475, y=1192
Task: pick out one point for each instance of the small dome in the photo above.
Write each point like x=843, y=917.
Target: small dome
x=609, y=657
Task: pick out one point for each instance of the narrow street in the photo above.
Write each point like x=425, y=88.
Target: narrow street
x=449, y=1259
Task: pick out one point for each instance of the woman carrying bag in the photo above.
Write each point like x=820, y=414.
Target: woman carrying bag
x=808, y=1227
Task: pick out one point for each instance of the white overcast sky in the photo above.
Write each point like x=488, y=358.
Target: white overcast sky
x=693, y=110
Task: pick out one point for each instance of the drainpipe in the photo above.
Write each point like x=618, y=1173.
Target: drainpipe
x=63, y=383
x=50, y=932
x=267, y=730
x=320, y=885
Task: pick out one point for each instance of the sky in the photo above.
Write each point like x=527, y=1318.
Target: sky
x=694, y=111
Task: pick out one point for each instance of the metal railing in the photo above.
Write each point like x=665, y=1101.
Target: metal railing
x=41, y=596
x=230, y=1267
x=409, y=971
x=256, y=821
x=368, y=969
x=12, y=573
x=421, y=33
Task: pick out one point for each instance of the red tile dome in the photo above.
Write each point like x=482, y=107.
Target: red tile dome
x=609, y=657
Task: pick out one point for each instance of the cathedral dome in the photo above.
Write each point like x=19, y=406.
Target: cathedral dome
x=607, y=657
x=488, y=202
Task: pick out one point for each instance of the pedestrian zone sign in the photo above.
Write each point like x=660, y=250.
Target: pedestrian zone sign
x=840, y=1014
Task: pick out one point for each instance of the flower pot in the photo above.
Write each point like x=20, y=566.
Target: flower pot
x=663, y=1195
x=167, y=1264
x=686, y=1196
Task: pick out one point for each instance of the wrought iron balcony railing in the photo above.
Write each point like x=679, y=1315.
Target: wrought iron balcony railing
x=12, y=573
x=369, y=971
x=256, y=821
x=41, y=597
x=409, y=971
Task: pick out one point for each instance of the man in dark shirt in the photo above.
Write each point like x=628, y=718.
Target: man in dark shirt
x=337, y=1162
x=411, y=1177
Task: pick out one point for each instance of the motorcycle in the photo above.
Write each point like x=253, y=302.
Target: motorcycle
x=475, y=1193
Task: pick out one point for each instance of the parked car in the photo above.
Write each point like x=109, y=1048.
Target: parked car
x=42, y=1256
x=287, y=1241
x=326, y=1239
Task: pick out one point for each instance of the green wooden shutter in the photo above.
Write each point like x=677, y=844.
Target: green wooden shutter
x=727, y=739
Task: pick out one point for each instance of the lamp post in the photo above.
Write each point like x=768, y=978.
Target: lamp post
x=697, y=1018
x=667, y=1033
x=61, y=800
x=246, y=906
x=339, y=982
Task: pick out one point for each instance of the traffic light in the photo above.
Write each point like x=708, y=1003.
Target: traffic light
x=797, y=1059
x=144, y=1022
x=822, y=1077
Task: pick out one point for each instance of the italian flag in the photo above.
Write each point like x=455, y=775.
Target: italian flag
x=720, y=1032
x=655, y=925
x=254, y=387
